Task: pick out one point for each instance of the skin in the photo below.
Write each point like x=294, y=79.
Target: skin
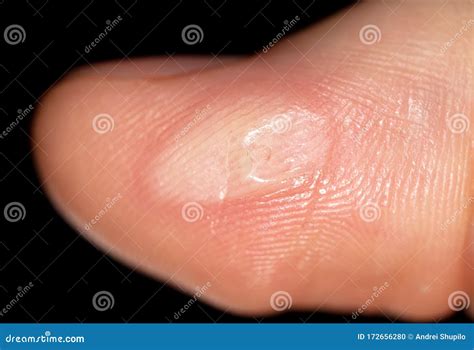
x=283, y=154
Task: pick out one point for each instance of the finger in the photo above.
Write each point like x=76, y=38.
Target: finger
x=147, y=67
x=324, y=168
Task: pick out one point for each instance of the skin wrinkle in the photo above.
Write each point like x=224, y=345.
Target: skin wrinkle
x=396, y=150
x=312, y=197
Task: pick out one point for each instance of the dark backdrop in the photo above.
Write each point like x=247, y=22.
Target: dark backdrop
x=64, y=269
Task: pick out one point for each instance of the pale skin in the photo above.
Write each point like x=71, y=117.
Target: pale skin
x=280, y=154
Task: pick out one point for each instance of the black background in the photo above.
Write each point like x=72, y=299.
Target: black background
x=65, y=269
